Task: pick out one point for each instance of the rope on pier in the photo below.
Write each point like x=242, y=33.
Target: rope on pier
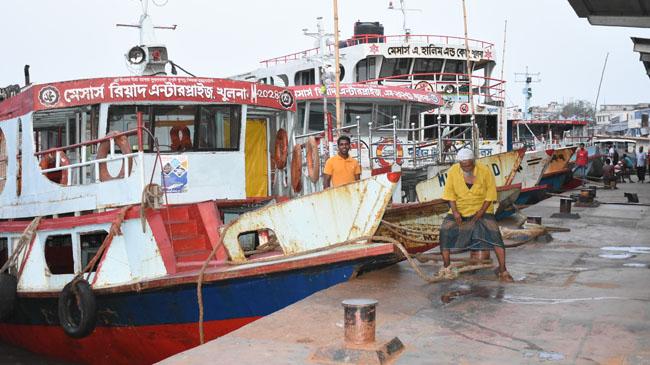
x=25, y=239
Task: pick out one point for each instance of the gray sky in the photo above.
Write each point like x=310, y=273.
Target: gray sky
x=74, y=39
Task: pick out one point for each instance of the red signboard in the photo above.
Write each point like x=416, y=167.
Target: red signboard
x=363, y=91
x=552, y=122
x=142, y=89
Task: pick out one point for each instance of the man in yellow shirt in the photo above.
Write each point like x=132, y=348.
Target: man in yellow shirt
x=341, y=169
x=471, y=192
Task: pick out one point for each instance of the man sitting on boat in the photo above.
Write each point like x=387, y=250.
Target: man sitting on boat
x=471, y=192
x=341, y=169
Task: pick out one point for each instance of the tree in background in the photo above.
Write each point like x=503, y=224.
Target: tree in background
x=579, y=109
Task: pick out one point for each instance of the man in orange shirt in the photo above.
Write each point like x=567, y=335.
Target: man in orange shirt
x=341, y=169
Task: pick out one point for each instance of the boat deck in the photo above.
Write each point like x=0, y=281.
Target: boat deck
x=569, y=304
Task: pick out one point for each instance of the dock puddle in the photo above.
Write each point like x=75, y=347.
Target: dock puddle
x=472, y=291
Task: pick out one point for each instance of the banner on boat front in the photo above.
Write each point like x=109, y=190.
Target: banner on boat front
x=351, y=91
x=174, y=173
x=134, y=89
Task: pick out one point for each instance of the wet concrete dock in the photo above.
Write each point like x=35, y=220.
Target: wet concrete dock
x=573, y=302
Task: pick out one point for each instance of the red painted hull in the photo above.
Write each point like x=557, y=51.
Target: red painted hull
x=143, y=344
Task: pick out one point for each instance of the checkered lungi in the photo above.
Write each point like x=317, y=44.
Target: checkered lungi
x=481, y=235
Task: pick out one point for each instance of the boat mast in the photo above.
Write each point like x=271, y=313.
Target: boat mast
x=470, y=91
x=602, y=75
x=502, y=138
x=337, y=68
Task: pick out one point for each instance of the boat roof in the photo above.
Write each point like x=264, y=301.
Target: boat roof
x=614, y=140
x=145, y=89
x=369, y=93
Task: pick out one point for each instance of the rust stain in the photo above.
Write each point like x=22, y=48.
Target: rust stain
x=601, y=285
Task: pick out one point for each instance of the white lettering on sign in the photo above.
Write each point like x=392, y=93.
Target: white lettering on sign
x=84, y=93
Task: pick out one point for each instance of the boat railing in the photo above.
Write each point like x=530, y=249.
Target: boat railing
x=84, y=161
x=389, y=39
x=458, y=85
x=417, y=38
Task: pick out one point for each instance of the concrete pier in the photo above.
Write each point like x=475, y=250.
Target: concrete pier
x=573, y=302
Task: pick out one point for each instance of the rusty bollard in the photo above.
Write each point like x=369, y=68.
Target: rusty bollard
x=359, y=321
x=565, y=206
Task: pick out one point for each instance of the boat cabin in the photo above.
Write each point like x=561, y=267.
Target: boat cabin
x=433, y=63
x=88, y=145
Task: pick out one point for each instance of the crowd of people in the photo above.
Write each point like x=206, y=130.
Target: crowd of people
x=618, y=167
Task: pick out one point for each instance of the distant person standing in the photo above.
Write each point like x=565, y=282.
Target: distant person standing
x=341, y=169
x=582, y=159
x=641, y=158
x=610, y=174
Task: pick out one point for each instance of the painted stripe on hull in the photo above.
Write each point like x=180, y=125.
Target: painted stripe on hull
x=554, y=182
x=122, y=345
x=227, y=299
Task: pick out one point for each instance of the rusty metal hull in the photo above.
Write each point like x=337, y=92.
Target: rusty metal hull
x=318, y=220
x=503, y=165
x=559, y=161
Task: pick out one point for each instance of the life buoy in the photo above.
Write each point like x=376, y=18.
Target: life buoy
x=296, y=168
x=450, y=89
x=380, y=152
x=180, y=137
x=313, y=159
x=104, y=148
x=49, y=161
x=281, y=149
x=77, y=309
x=8, y=287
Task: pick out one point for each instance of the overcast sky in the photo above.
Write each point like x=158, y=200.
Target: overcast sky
x=73, y=39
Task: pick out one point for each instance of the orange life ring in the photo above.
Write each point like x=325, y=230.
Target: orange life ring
x=380, y=149
x=296, y=168
x=313, y=159
x=281, y=149
x=48, y=161
x=104, y=148
x=180, y=136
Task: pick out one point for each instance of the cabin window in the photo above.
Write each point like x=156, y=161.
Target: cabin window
x=4, y=251
x=3, y=161
x=305, y=77
x=122, y=118
x=487, y=126
x=363, y=111
x=58, y=254
x=182, y=127
x=366, y=69
x=385, y=115
x=454, y=67
x=427, y=66
x=90, y=243
x=218, y=128
x=395, y=67
x=316, y=121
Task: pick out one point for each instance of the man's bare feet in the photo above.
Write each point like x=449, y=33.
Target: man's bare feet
x=504, y=276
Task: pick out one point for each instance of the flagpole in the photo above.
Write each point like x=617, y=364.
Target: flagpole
x=470, y=92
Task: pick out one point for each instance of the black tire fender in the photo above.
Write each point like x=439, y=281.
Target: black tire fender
x=8, y=288
x=77, y=309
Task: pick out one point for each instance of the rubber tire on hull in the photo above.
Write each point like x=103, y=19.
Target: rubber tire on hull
x=79, y=294
x=8, y=287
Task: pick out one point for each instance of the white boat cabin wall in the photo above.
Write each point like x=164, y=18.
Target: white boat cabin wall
x=429, y=62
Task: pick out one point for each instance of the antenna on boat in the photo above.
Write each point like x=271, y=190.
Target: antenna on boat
x=527, y=78
x=149, y=57
x=403, y=9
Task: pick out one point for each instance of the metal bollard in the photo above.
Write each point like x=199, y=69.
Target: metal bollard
x=359, y=317
x=565, y=206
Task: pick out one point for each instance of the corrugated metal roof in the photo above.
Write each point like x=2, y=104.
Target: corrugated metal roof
x=622, y=13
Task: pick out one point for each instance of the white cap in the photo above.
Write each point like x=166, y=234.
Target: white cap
x=465, y=154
